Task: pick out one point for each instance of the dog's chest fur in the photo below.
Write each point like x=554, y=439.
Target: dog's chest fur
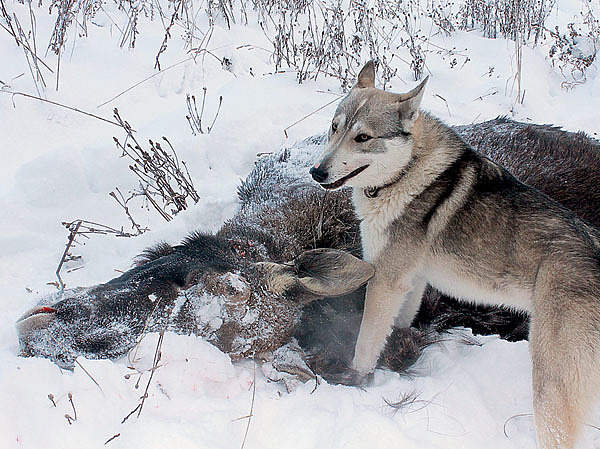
x=376, y=215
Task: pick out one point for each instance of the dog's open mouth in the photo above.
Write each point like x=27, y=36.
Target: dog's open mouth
x=340, y=182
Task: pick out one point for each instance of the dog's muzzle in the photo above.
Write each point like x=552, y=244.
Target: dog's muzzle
x=318, y=174
x=340, y=182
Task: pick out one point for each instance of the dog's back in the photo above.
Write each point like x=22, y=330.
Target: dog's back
x=563, y=165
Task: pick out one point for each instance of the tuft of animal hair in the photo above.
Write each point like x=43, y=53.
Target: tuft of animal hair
x=154, y=252
x=404, y=346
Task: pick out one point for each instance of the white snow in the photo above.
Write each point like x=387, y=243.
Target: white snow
x=59, y=165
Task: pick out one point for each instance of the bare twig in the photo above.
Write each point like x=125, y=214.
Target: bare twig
x=308, y=115
x=131, y=413
x=133, y=359
x=112, y=438
x=123, y=203
x=9, y=28
x=161, y=174
x=31, y=58
x=163, y=46
x=61, y=105
x=73, y=232
x=446, y=102
x=144, y=80
x=155, y=366
x=157, y=357
x=77, y=362
x=249, y=416
x=194, y=118
x=70, y=395
x=91, y=227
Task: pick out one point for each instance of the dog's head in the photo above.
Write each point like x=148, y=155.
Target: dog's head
x=370, y=138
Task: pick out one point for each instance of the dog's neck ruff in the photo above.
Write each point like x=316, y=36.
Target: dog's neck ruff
x=373, y=192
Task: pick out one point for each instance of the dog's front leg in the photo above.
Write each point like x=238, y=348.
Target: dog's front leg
x=384, y=301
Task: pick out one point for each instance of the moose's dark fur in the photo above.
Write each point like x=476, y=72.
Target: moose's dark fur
x=216, y=287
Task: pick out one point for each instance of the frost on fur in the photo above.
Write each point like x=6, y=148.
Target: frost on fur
x=217, y=286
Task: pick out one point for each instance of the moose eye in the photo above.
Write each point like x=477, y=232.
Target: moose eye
x=362, y=138
x=334, y=127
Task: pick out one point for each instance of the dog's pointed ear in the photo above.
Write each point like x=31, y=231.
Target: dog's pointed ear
x=366, y=77
x=331, y=272
x=318, y=273
x=409, y=105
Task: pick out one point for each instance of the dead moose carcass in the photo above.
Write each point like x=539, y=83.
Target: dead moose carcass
x=250, y=289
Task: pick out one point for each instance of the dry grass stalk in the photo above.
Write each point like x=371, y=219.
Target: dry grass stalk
x=194, y=118
x=162, y=176
x=71, y=108
x=251, y=414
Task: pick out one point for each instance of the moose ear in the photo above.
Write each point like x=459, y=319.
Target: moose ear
x=366, y=77
x=409, y=105
x=331, y=272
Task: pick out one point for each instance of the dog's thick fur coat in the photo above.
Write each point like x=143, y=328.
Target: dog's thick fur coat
x=434, y=211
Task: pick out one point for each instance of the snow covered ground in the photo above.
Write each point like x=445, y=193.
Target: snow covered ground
x=59, y=165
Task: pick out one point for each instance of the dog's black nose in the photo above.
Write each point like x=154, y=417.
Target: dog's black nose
x=318, y=174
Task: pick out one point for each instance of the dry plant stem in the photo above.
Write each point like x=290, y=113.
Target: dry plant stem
x=161, y=175
x=155, y=366
x=72, y=405
x=112, y=438
x=163, y=46
x=70, y=241
x=78, y=364
x=216, y=114
x=123, y=203
x=31, y=58
x=308, y=115
x=144, y=80
x=148, y=196
x=519, y=62
x=251, y=406
x=61, y=105
x=9, y=28
x=133, y=359
x=446, y=102
x=194, y=118
x=90, y=227
x=157, y=357
x=130, y=413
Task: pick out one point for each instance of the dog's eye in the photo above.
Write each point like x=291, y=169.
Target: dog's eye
x=362, y=138
x=333, y=127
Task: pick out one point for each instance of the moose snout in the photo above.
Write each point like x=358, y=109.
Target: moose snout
x=318, y=174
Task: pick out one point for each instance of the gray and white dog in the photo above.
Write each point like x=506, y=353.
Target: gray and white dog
x=434, y=211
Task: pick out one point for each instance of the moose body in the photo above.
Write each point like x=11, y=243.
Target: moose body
x=245, y=288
